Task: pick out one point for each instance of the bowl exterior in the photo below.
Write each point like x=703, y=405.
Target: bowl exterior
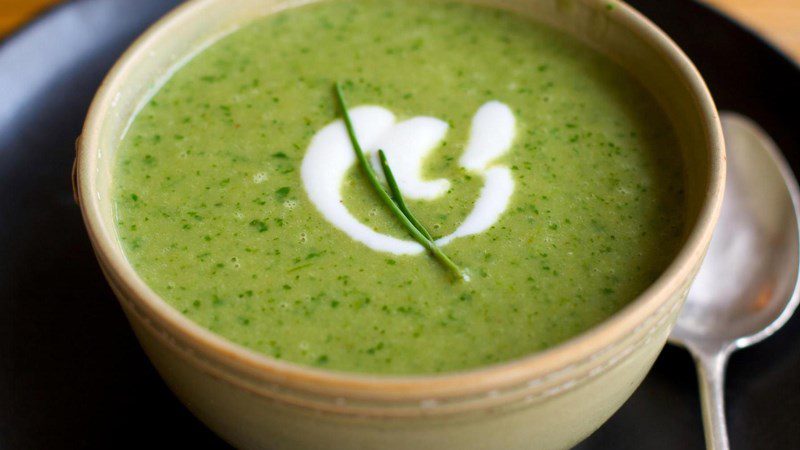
x=548, y=416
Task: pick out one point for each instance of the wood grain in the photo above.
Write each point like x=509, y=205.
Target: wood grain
x=778, y=20
x=14, y=13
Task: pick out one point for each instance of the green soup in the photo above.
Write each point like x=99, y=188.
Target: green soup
x=214, y=214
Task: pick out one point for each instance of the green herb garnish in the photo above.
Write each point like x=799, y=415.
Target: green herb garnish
x=398, y=197
x=396, y=205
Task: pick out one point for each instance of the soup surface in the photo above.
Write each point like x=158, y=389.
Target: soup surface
x=224, y=211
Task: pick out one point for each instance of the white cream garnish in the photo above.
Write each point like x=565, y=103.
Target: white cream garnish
x=406, y=144
x=325, y=164
x=493, y=201
x=491, y=135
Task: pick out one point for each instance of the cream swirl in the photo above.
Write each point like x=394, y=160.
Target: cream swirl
x=406, y=144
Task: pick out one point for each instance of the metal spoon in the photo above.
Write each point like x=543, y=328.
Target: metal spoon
x=747, y=287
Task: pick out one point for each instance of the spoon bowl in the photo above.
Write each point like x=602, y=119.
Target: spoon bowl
x=747, y=287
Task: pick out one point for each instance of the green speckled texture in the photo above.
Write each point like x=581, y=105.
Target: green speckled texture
x=213, y=215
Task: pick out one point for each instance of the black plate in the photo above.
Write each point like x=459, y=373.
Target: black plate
x=71, y=372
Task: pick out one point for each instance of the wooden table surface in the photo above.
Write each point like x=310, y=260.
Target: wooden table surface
x=779, y=20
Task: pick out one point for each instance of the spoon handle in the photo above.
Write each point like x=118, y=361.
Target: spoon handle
x=711, y=374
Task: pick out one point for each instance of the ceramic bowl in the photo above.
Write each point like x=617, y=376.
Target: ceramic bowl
x=551, y=399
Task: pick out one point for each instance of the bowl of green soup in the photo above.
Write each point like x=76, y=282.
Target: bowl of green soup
x=488, y=253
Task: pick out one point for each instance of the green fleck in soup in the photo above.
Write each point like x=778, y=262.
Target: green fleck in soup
x=217, y=209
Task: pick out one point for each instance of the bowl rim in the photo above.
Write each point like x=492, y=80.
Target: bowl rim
x=449, y=384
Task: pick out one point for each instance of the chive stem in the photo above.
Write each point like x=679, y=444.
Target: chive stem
x=405, y=217
x=398, y=197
